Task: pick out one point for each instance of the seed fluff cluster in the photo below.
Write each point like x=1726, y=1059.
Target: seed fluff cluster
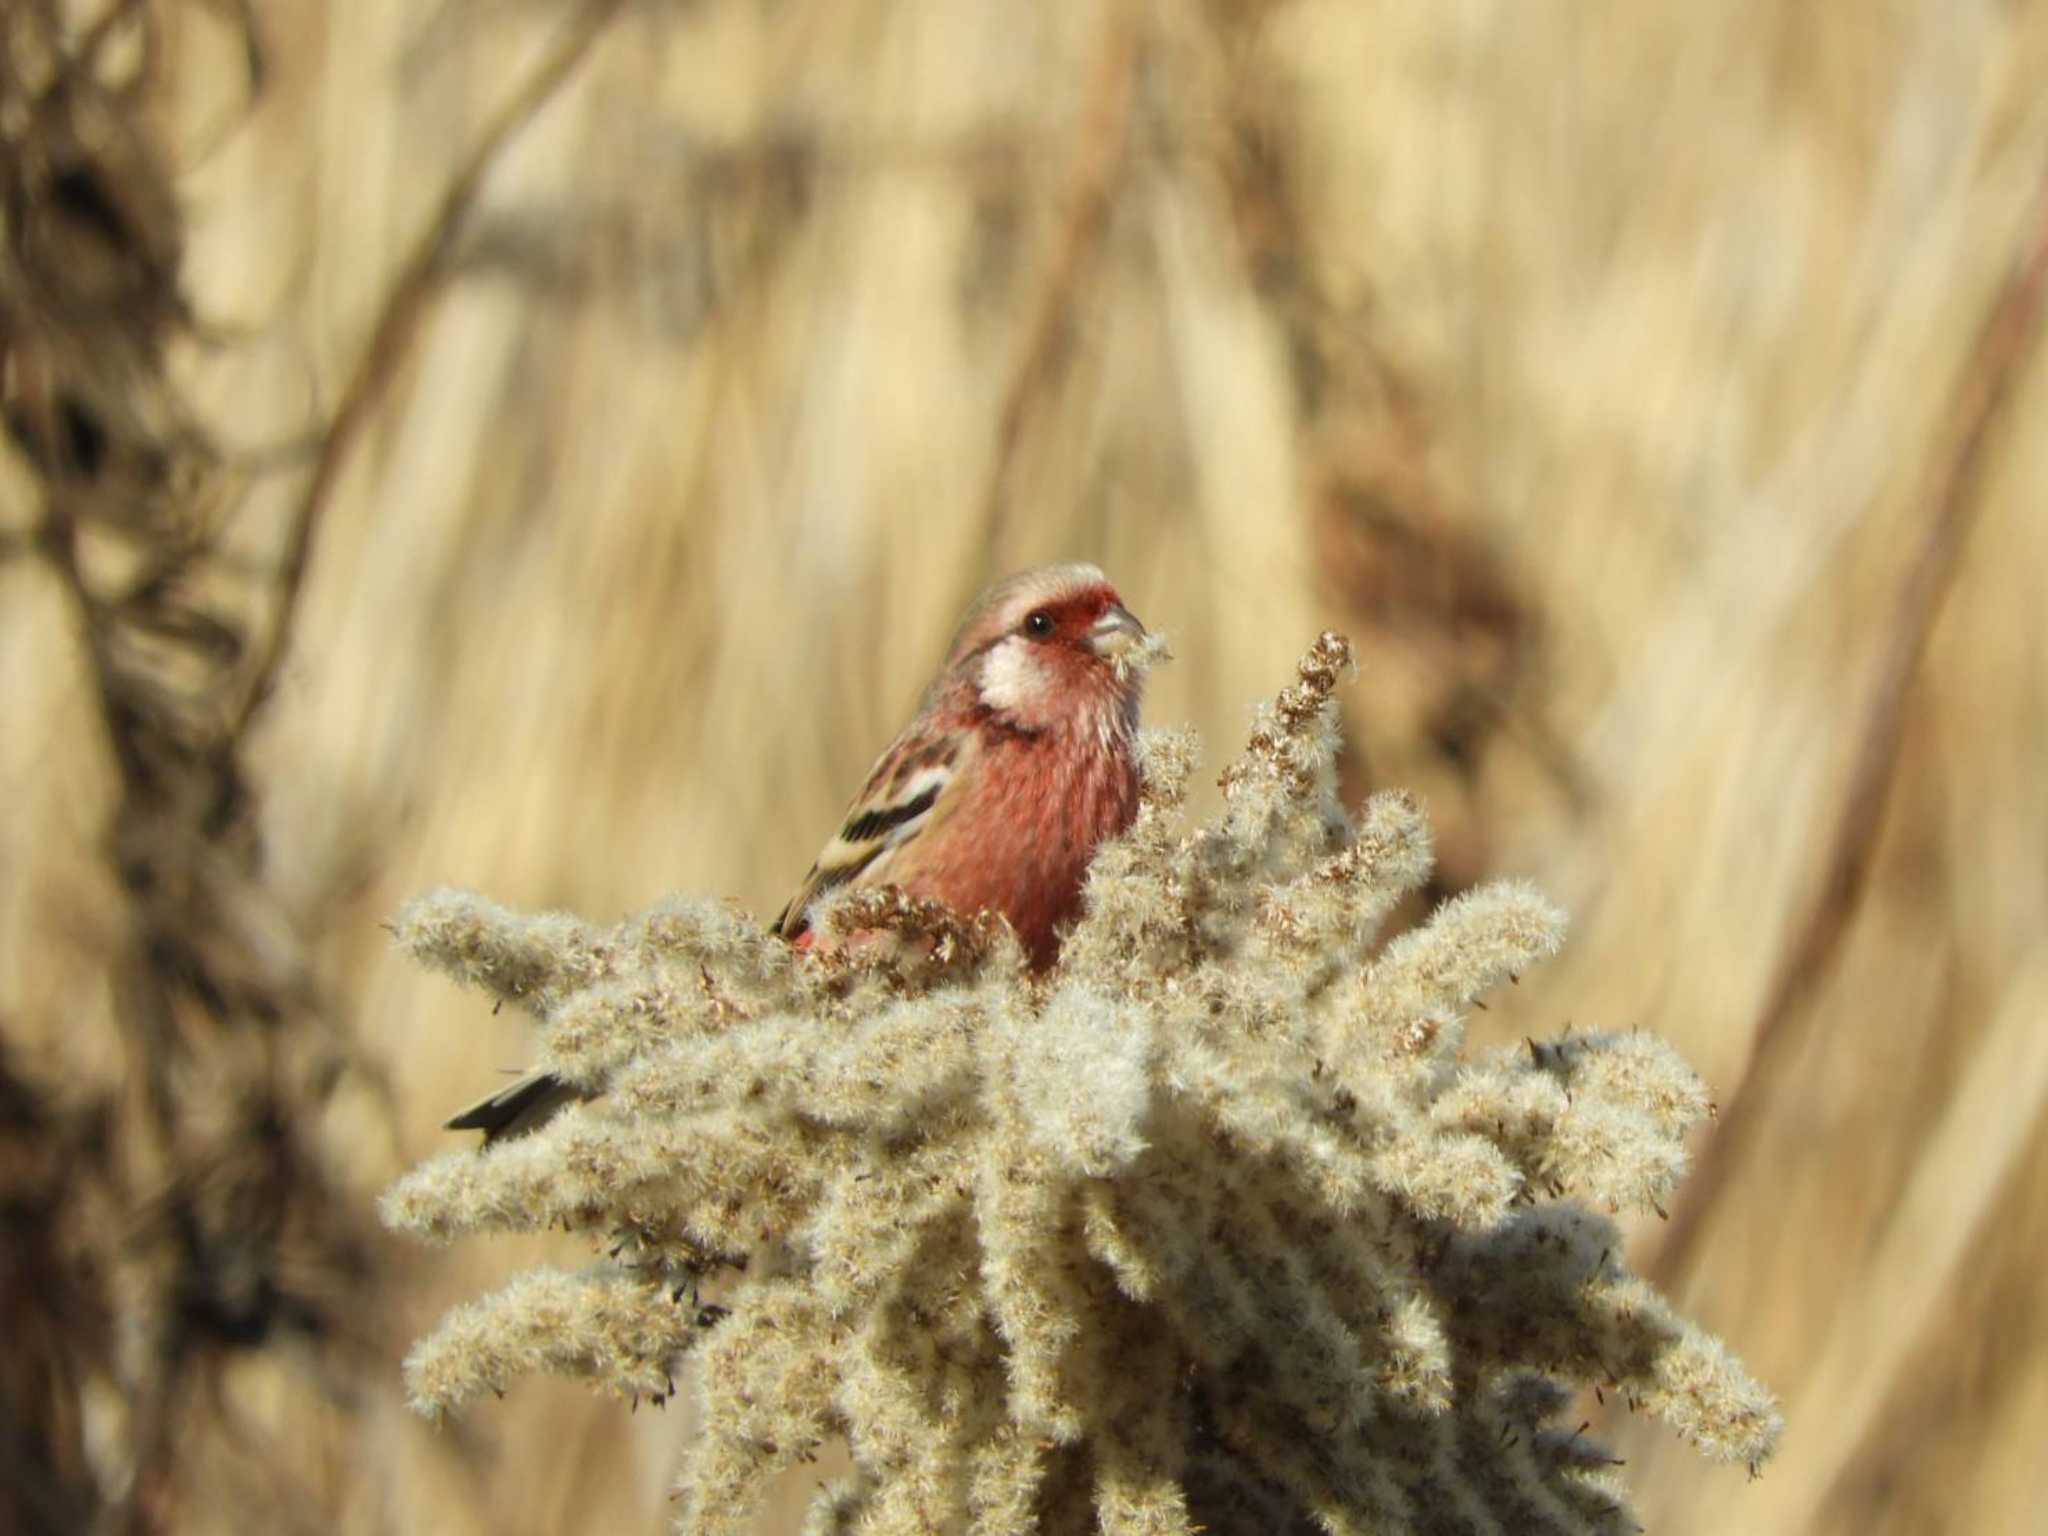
x=1211, y=1228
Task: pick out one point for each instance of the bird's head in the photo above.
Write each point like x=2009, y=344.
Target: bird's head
x=1053, y=646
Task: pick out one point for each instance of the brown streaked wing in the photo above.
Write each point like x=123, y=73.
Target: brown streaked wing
x=912, y=789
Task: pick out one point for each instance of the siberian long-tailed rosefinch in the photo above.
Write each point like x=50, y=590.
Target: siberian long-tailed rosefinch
x=1018, y=763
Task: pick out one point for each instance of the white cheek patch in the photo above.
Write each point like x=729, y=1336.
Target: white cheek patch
x=1015, y=680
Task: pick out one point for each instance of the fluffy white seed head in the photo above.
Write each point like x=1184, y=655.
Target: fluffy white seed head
x=1083, y=1079
x=1214, y=1227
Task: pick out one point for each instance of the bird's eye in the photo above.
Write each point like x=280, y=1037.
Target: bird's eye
x=1038, y=624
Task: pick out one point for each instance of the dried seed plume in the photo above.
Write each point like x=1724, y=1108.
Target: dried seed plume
x=1214, y=1228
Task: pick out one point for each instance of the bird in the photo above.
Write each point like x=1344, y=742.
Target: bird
x=1020, y=761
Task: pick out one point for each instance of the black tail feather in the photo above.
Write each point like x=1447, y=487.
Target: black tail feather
x=525, y=1106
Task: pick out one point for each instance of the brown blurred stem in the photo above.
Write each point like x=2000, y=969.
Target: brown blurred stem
x=1091, y=179
x=1976, y=409
x=406, y=304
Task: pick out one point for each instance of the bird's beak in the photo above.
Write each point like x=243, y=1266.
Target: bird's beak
x=1116, y=633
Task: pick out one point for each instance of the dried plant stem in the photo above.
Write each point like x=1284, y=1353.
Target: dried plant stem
x=405, y=306
x=1976, y=409
x=1091, y=181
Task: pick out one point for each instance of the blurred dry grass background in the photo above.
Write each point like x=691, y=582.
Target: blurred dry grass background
x=1602, y=369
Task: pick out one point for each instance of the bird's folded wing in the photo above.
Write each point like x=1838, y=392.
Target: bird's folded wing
x=904, y=800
